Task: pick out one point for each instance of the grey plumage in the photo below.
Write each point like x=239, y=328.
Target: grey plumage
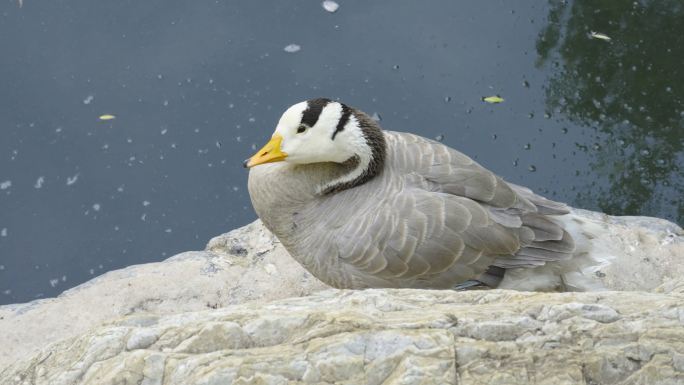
x=423, y=215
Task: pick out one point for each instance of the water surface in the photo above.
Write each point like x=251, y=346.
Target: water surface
x=196, y=86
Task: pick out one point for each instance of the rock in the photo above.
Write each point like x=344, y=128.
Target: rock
x=388, y=336
x=243, y=265
x=205, y=316
x=648, y=252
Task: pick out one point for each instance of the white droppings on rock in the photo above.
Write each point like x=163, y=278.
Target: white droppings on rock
x=292, y=48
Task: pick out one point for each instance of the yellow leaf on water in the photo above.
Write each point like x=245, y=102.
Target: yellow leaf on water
x=107, y=117
x=493, y=99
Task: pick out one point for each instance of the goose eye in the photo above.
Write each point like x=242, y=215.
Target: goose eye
x=301, y=129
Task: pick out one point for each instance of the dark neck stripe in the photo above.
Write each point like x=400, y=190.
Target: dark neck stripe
x=314, y=107
x=375, y=139
x=346, y=113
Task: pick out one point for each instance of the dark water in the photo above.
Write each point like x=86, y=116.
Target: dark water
x=196, y=86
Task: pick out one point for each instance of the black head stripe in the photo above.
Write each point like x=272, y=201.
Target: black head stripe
x=313, y=110
x=346, y=113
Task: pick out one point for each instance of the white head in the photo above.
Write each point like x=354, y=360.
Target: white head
x=313, y=131
x=321, y=130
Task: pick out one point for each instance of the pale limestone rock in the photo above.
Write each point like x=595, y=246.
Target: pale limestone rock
x=384, y=337
x=245, y=264
x=345, y=337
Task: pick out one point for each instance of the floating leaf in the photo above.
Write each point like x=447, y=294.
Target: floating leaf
x=107, y=117
x=493, y=99
x=600, y=36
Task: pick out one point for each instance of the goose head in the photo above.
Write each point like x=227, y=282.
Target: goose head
x=321, y=130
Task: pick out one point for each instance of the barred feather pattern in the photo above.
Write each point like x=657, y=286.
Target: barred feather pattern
x=431, y=217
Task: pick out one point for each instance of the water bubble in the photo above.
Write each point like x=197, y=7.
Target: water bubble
x=564, y=130
x=515, y=163
x=5, y=185
x=97, y=207
x=168, y=230
x=164, y=131
x=447, y=99
x=166, y=103
x=597, y=146
x=526, y=84
x=532, y=168
x=527, y=146
x=439, y=137
x=159, y=76
x=39, y=182
x=292, y=48
x=54, y=282
x=3, y=232
x=530, y=115
x=88, y=99
x=396, y=66
x=218, y=144
x=494, y=136
x=330, y=6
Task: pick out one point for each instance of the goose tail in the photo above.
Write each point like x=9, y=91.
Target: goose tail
x=611, y=253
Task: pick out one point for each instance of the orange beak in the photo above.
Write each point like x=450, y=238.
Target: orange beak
x=269, y=153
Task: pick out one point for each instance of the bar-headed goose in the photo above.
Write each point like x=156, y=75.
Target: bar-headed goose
x=361, y=207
